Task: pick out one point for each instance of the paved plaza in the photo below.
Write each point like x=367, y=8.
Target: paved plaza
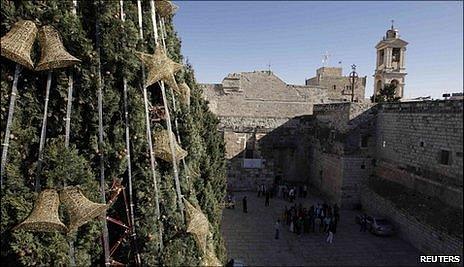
x=249, y=238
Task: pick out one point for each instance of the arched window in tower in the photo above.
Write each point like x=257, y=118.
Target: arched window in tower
x=381, y=56
x=394, y=82
x=379, y=85
x=396, y=54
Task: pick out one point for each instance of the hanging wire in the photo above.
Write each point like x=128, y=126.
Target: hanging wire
x=131, y=218
x=168, y=121
x=149, y=138
x=174, y=106
x=43, y=133
x=100, y=135
x=6, y=142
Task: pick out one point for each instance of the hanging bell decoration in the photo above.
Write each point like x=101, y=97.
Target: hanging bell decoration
x=53, y=54
x=80, y=209
x=184, y=93
x=162, y=148
x=17, y=44
x=165, y=8
x=44, y=217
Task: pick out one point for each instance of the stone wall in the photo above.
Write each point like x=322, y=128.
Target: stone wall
x=451, y=195
x=261, y=94
x=326, y=174
x=344, y=116
x=355, y=170
x=280, y=144
x=427, y=239
x=410, y=139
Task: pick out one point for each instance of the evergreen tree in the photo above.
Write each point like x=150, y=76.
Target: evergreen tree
x=386, y=94
x=79, y=164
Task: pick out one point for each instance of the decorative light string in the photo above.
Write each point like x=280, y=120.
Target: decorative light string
x=131, y=218
x=149, y=138
x=100, y=136
x=168, y=121
x=6, y=142
x=174, y=106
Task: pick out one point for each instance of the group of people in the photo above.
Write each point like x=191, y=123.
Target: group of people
x=290, y=193
x=318, y=218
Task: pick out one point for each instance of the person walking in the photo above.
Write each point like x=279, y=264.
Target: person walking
x=363, y=223
x=331, y=233
x=327, y=221
x=259, y=190
x=245, y=210
x=266, y=203
x=277, y=229
x=291, y=193
x=305, y=191
x=300, y=225
x=233, y=201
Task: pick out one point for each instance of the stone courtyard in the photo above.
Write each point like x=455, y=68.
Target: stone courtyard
x=250, y=239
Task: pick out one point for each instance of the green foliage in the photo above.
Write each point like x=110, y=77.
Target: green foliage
x=386, y=94
x=79, y=164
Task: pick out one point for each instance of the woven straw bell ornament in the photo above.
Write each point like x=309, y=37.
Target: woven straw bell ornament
x=165, y=8
x=163, y=149
x=17, y=44
x=53, y=53
x=44, y=217
x=160, y=67
x=80, y=209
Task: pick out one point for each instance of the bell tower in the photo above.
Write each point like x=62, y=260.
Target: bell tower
x=390, y=67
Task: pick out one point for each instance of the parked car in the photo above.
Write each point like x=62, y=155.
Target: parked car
x=377, y=225
x=235, y=263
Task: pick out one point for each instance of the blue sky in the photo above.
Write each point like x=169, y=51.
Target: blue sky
x=221, y=37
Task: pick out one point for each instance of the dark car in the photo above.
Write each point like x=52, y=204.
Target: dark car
x=378, y=225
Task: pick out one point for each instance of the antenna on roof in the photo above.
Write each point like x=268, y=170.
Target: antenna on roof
x=325, y=58
x=393, y=21
x=269, y=68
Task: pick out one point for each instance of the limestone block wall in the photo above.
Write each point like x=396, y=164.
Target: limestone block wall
x=410, y=139
x=344, y=116
x=326, y=174
x=427, y=239
x=355, y=171
x=451, y=195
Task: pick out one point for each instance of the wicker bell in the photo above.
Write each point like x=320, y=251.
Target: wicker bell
x=53, y=54
x=16, y=45
x=165, y=8
x=44, y=217
x=80, y=209
x=163, y=149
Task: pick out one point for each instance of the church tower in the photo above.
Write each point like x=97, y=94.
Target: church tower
x=390, y=67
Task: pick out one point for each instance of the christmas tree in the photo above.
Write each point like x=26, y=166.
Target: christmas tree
x=106, y=46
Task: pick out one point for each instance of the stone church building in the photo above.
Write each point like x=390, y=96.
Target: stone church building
x=311, y=134
x=260, y=115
